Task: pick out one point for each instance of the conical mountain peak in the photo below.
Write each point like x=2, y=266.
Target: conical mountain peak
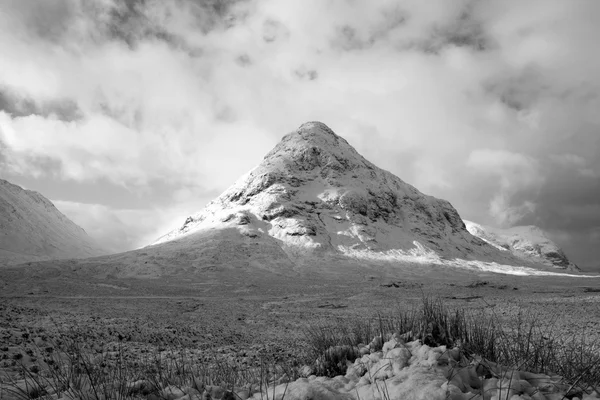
x=314, y=145
x=317, y=133
x=315, y=194
x=317, y=128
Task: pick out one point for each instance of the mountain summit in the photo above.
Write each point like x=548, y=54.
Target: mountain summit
x=32, y=229
x=315, y=194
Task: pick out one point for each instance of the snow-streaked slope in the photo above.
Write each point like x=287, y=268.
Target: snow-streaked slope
x=316, y=195
x=527, y=242
x=424, y=256
x=32, y=229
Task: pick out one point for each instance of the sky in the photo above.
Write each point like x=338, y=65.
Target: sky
x=132, y=114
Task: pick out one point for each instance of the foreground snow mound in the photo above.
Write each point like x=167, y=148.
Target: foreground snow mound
x=315, y=193
x=412, y=371
x=32, y=229
x=527, y=242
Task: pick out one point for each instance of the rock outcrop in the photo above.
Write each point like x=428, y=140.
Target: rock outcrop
x=529, y=243
x=32, y=229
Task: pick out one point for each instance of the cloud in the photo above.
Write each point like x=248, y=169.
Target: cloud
x=577, y=163
x=492, y=105
x=516, y=173
x=118, y=230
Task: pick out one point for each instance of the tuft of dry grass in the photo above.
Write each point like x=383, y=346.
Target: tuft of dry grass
x=523, y=343
x=74, y=371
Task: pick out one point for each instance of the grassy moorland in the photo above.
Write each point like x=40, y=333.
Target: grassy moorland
x=46, y=356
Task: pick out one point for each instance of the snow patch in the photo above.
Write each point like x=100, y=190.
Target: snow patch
x=423, y=255
x=412, y=371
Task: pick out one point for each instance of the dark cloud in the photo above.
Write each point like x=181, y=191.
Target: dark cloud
x=225, y=113
x=131, y=22
x=243, y=60
x=31, y=165
x=579, y=245
x=393, y=25
x=347, y=38
x=464, y=35
x=463, y=32
x=306, y=74
x=569, y=200
x=62, y=109
x=127, y=115
x=466, y=31
x=518, y=91
x=273, y=30
x=47, y=20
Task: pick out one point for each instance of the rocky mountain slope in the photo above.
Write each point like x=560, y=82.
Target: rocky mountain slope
x=527, y=242
x=314, y=194
x=32, y=229
x=313, y=212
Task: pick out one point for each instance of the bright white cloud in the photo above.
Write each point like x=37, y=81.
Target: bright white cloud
x=124, y=229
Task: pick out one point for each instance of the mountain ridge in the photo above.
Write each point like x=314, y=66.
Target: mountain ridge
x=33, y=229
x=527, y=242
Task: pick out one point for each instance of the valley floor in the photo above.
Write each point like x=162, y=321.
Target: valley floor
x=247, y=320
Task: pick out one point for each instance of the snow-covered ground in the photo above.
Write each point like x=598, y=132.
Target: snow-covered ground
x=412, y=371
x=422, y=255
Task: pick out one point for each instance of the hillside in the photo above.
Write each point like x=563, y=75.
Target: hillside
x=527, y=242
x=32, y=229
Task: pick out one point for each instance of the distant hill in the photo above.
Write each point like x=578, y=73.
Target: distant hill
x=32, y=229
x=527, y=242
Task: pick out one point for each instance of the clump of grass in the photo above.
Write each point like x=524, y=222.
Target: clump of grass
x=477, y=284
x=331, y=347
x=523, y=343
x=118, y=373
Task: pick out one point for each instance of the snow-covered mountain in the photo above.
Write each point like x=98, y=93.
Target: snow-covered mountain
x=527, y=242
x=315, y=195
x=32, y=229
